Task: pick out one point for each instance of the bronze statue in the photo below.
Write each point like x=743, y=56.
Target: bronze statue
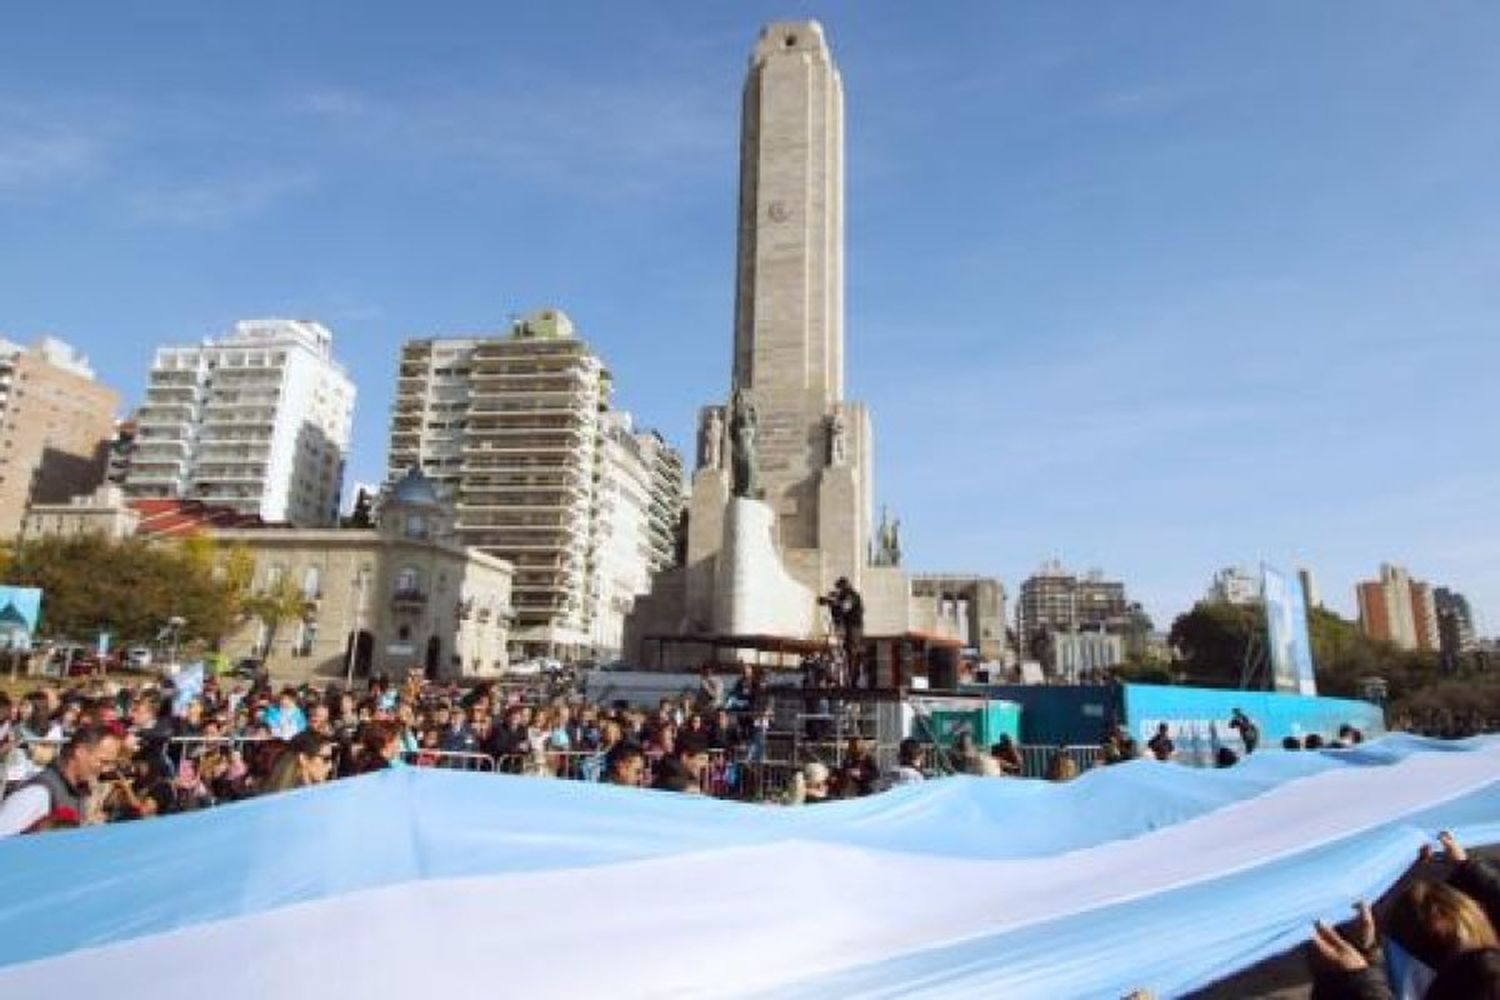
x=743, y=421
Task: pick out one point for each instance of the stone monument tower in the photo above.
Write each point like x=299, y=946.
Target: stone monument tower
x=757, y=558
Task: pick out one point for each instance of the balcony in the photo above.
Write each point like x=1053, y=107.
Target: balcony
x=408, y=600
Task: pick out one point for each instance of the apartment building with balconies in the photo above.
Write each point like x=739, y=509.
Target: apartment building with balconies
x=258, y=421
x=518, y=430
x=56, y=423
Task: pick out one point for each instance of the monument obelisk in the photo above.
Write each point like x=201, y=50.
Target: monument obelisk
x=750, y=558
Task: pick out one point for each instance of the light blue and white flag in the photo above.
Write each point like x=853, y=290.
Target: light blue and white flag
x=415, y=882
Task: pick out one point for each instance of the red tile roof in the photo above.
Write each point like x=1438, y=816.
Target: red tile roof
x=186, y=517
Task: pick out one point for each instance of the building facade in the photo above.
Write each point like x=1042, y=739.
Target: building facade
x=518, y=429
x=975, y=603
x=1056, y=599
x=1234, y=585
x=56, y=423
x=103, y=512
x=258, y=421
x=384, y=600
x=1399, y=609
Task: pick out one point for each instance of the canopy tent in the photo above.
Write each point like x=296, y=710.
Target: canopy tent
x=1140, y=875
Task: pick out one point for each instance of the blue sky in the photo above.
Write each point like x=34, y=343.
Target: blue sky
x=1149, y=287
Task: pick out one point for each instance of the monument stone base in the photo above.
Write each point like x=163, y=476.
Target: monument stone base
x=754, y=594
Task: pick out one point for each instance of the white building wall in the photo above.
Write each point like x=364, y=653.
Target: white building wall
x=234, y=422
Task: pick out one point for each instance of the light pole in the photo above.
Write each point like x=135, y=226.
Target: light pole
x=175, y=623
x=354, y=634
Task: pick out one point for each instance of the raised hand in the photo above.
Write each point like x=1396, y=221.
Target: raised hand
x=1332, y=951
x=1452, y=850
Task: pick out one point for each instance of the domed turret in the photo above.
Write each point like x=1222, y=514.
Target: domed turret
x=415, y=490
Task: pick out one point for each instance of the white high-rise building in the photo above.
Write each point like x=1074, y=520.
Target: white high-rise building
x=258, y=421
x=1234, y=585
x=518, y=430
x=641, y=497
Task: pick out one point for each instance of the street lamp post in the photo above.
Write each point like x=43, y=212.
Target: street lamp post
x=354, y=634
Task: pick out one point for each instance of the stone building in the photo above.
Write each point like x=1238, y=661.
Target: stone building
x=968, y=605
x=56, y=423
x=258, y=420
x=383, y=600
x=519, y=431
x=102, y=512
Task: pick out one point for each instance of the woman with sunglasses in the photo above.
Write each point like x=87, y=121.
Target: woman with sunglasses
x=307, y=760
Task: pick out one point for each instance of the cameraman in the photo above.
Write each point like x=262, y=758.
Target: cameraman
x=847, y=609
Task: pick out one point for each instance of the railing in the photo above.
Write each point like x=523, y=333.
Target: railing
x=457, y=760
x=1037, y=758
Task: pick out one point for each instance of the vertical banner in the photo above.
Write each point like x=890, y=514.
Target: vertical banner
x=1286, y=633
x=20, y=609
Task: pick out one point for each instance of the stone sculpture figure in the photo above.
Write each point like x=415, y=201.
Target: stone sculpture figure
x=838, y=438
x=711, y=443
x=886, y=544
x=742, y=427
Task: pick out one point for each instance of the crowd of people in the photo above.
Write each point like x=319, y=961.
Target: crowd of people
x=103, y=751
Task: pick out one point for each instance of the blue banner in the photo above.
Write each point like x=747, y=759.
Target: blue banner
x=1286, y=632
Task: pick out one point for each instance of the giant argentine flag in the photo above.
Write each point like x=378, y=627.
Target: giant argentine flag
x=433, y=883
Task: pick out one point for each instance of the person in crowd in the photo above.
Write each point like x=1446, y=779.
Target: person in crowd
x=1161, y=745
x=909, y=759
x=860, y=774
x=508, y=745
x=625, y=765
x=1007, y=755
x=1291, y=743
x=966, y=756
x=1440, y=943
x=286, y=718
x=307, y=760
x=380, y=747
x=1248, y=730
x=810, y=785
x=59, y=795
x=1312, y=741
x=682, y=770
x=710, y=689
x=1061, y=766
x=1225, y=757
x=458, y=737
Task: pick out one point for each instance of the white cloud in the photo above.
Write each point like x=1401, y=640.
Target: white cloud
x=600, y=141
x=218, y=202
x=32, y=154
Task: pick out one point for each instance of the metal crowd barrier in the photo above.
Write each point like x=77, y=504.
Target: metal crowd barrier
x=1036, y=757
x=457, y=760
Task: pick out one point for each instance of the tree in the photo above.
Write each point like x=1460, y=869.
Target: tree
x=131, y=587
x=1214, y=639
x=282, y=602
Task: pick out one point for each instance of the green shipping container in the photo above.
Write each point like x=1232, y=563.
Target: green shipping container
x=985, y=724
